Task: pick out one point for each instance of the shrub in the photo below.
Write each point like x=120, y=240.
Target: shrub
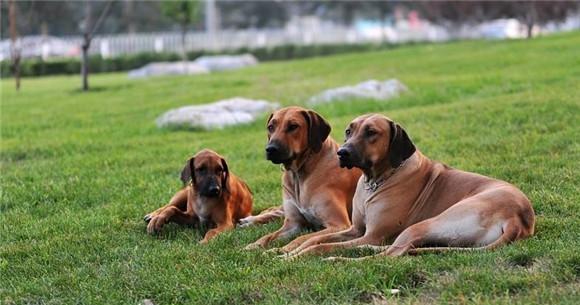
x=97, y=64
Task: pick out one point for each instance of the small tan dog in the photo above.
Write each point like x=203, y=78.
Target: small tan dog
x=212, y=198
x=317, y=193
x=404, y=194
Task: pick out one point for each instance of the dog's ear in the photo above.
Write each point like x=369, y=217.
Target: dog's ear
x=269, y=119
x=318, y=129
x=226, y=175
x=400, y=146
x=188, y=173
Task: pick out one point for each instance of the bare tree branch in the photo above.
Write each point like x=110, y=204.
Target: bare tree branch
x=104, y=13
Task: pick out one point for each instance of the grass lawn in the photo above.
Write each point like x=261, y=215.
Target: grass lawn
x=79, y=171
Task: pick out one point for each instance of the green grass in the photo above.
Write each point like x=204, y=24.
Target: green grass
x=79, y=170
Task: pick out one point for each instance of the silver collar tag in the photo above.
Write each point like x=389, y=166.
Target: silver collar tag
x=372, y=186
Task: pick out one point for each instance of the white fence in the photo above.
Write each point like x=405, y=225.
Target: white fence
x=114, y=45
x=120, y=44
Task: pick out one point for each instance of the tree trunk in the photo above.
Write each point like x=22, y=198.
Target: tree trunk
x=128, y=17
x=530, y=19
x=530, y=29
x=88, y=30
x=14, y=43
x=85, y=47
x=85, y=61
x=347, y=13
x=383, y=12
x=183, y=41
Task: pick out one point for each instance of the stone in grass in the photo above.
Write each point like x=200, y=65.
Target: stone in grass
x=371, y=89
x=226, y=62
x=229, y=112
x=168, y=68
x=202, y=65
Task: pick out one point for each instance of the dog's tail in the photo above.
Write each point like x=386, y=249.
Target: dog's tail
x=266, y=216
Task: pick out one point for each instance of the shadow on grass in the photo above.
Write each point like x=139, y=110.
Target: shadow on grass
x=100, y=89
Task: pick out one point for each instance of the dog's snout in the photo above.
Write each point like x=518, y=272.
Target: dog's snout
x=214, y=190
x=272, y=149
x=343, y=152
x=277, y=152
x=346, y=156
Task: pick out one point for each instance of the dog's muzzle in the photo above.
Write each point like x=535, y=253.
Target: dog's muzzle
x=345, y=157
x=212, y=190
x=277, y=154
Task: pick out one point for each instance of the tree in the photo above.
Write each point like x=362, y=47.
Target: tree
x=383, y=8
x=255, y=14
x=14, y=43
x=530, y=13
x=35, y=16
x=184, y=12
x=89, y=29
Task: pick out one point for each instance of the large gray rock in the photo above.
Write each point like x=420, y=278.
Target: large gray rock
x=371, y=89
x=226, y=62
x=217, y=115
x=202, y=65
x=168, y=68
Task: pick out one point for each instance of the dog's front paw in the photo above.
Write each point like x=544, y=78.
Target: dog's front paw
x=276, y=251
x=246, y=222
x=287, y=257
x=155, y=224
x=147, y=218
x=253, y=246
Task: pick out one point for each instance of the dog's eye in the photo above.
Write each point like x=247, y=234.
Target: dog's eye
x=370, y=133
x=292, y=127
x=271, y=128
x=347, y=132
x=200, y=169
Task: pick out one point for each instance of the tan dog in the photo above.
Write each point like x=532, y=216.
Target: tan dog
x=317, y=193
x=212, y=198
x=405, y=195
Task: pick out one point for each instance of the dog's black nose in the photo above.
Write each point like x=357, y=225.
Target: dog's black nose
x=343, y=152
x=271, y=149
x=214, y=190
